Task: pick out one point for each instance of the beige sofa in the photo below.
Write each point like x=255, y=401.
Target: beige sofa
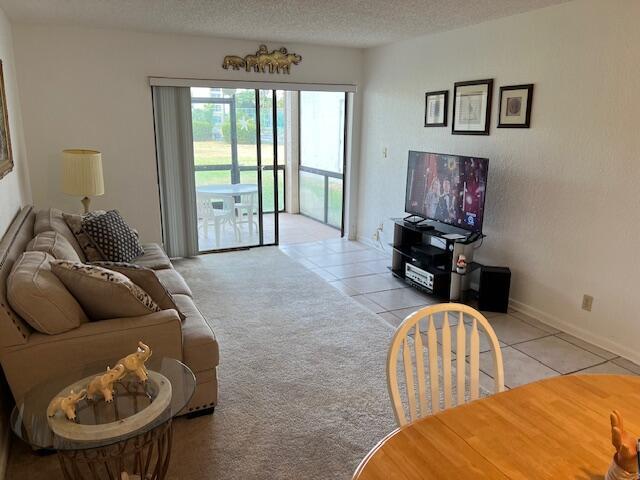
x=29, y=357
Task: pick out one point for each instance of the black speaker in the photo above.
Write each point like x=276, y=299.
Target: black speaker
x=493, y=292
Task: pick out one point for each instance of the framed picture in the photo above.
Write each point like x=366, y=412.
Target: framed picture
x=472, y=107
x=6, y=157
x=436, y=105
x=515, y=106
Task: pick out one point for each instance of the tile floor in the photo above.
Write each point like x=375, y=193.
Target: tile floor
x=293, y=229
x=531, y=349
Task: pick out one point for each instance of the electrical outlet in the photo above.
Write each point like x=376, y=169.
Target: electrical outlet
x=376, y=235
x=587, y=302
x=385, y=152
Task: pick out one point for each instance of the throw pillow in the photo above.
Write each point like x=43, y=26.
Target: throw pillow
x=74, y=222
x=146, y=279
x=55, y=245
x=112, y=237
x=103, y=293
x=53, y=219
x=40, y=298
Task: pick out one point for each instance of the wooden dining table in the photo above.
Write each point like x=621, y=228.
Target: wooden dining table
x=556, y=428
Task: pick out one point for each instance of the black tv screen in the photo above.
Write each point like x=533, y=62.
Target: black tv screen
x=447, y=188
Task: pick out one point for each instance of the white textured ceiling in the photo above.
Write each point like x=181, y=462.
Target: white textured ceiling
x=354, y=23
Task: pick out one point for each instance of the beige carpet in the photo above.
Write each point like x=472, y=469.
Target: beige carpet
x=302, y=377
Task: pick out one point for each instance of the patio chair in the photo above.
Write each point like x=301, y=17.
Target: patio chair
x=210, y=213
x=247, y=212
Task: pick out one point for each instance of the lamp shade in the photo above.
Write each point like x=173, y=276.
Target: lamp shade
x=82, y=172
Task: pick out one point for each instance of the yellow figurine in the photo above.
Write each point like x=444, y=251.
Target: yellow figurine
x=134, y=363
x=624, y=465
x=66, y=404
x=233, y=61
x=103, y=384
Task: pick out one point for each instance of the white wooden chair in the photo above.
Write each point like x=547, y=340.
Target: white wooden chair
x=409, y=334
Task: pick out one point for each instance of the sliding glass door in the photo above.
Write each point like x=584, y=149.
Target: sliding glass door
x=272, y=162
x=231, y=160
x=238, y=175
x=322, y=156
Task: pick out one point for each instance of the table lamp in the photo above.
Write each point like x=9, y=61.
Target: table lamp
x=82, y=174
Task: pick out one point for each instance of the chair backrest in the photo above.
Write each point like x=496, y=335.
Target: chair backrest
x=249, y=199
x=208, y=203
x=410, y=334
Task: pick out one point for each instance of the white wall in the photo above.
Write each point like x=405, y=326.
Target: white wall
x=14, y=190
x=89, y=87
x=14, y=187
x=563, y=202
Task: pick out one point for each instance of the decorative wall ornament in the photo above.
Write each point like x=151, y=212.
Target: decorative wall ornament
x=278, y=61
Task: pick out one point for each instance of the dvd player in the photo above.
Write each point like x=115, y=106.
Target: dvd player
x=419, y=276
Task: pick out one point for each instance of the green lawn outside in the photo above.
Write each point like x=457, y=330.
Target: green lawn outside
x=219, y=153
x=312, y=198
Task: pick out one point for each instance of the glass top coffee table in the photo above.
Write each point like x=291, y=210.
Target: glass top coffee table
x=141, y=447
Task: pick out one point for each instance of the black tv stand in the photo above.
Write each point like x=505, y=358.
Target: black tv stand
x=434, y=250
x=425, y=226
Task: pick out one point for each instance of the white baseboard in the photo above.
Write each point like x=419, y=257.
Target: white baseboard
x=548, y=319
x=576, y=331
x=373, y=244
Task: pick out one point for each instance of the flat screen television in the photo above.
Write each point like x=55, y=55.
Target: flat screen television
x=447, y=188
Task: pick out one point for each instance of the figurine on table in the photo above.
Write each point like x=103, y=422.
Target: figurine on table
x=625, y=461
x=461, y=264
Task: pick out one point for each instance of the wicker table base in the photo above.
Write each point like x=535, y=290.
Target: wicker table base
x=146, y=455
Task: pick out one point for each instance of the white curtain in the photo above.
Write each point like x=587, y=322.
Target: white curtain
x=174, y=151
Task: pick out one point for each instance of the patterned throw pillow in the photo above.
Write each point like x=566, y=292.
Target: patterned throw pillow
x=74, y=222
x=112, y=237
x=103, y=293
x=146, y=279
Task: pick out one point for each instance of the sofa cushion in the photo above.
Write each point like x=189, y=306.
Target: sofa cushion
x=40, y=298
x=53, y=220
x=173, y=282
x=199, y=344
x=55, y=245
x=112, y=237
x=103, y=293
x=153, y=257
x=147, y=280
x=74, y=222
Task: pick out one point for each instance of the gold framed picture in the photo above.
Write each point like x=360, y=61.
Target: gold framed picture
x=6, y=157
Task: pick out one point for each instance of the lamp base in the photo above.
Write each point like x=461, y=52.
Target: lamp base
x=86, y=201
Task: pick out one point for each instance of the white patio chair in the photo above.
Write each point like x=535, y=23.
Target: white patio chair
x=408, y=341
x=247, y=212
x=208, y=214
